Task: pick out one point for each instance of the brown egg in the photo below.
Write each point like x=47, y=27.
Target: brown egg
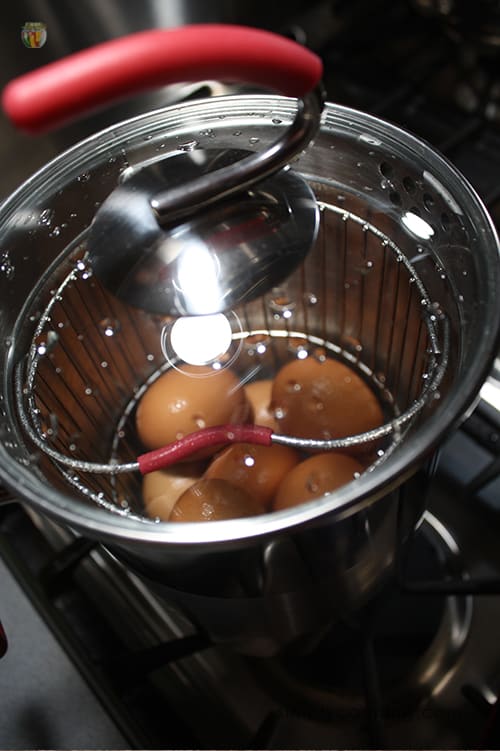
x=256, y=469
x=181, y=402
x=161, y=489
x=323, y=399
x=320, y=474
x=259, y=395
x=213, y=500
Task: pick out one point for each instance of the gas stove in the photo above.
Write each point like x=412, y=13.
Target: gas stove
x=419, y=666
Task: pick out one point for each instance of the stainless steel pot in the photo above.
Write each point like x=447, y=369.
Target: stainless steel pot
x=404, y=244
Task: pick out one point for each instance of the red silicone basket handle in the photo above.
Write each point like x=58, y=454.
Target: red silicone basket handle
x=97, y=76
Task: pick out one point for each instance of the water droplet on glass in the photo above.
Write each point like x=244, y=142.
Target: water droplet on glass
x=46, y=343
x=316, y=404
x=281, y=304
x=257, y=344
x=83, y=269
x=299, y=347
x=310, y=299
x=55, y=232
x=46, y=217
x=320, y=354
x=312, y=484
x=109, y=326
x=253, y=139
x=237, y=133
x=7, y=268
x=49, y=427
x=353, y=344
x=366, y=138
x=84, y=177
x=188, y=146
x=276, y=121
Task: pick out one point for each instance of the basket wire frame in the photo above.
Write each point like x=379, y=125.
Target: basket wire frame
x=304, y=314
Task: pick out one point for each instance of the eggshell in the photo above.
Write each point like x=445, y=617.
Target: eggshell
x=324, y=400
x=258, y=394
x=256, y=469
x=181, y=402
x=214, y=500
x=315, y=476
x=161, y=489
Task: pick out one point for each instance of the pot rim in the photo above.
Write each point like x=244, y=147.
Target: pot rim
x=370, y=486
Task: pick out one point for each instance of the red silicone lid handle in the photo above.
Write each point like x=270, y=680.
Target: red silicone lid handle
x=70, y=87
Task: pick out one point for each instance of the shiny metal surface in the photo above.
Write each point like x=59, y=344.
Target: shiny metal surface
x=299, y=568
x=219, y=258
x=203, y=231
x=181, y=201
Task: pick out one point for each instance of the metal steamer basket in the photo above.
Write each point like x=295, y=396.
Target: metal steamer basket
x=401, y=284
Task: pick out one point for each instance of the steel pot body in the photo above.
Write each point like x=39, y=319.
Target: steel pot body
x=404, y=244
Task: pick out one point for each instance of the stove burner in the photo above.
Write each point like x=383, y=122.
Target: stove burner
x=400, y=650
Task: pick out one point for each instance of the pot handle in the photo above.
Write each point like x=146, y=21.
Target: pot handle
x=65, y=89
